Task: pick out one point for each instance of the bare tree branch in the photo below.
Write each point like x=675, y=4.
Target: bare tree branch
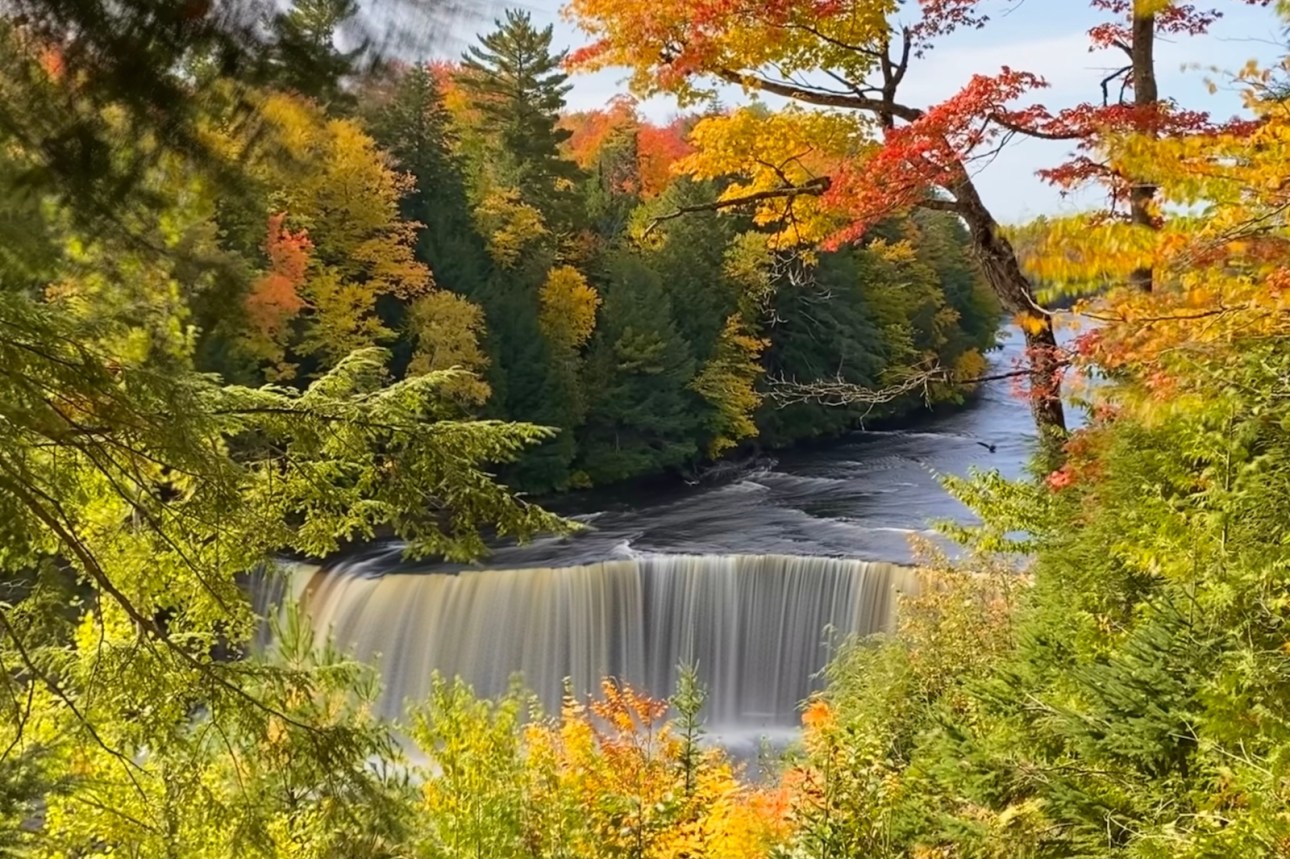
x=1106, y=84
x=939, y=204
x=839, y=392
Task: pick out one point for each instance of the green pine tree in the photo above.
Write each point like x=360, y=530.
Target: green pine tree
x=409, y=121
x=515, y=82
x=306, y=55
x=530, y=378
x=691, y=264
x=823, y=329
x=642, y=416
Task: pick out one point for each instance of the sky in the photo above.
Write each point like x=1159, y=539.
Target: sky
x=1047, y=37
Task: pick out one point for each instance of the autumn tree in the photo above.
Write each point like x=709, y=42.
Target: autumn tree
x=613, y=185
x=659, y=147
x=1131, y=695
x=138, y=490
x=1130, y=103
x=728, y=381
x=610, y=777
x=1146, y=639
x=656, y=148
x=628, y=160
x=589, y=131
x=828, y=184
x=447, y=333
x=275, y=299
x=568, y=308
x=333, y=187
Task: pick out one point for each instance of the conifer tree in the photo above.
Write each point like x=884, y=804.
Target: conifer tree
x=532, y=378
x=642, y=416
x=690, y=261
x=307, y=57
x=515, y=82
x=411, y=123
x=825, y=328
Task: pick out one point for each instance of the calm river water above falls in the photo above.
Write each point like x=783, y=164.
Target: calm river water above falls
x=858, y=497
x=751, y=575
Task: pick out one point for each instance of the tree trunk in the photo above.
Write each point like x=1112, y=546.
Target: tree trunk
x=1146, y=95
x=1003, y=272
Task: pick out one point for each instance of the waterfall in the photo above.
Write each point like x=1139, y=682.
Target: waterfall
x=757, y=626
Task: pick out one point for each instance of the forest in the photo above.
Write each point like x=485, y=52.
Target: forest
x=459, y=217
x=267, y=291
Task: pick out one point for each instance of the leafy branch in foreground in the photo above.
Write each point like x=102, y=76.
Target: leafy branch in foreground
x=145, y=490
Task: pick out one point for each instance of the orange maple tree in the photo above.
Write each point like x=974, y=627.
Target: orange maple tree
x=659, y=148
x=590, y=129
x=274, y=299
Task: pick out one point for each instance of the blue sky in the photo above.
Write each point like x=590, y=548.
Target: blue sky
x=1048, y=37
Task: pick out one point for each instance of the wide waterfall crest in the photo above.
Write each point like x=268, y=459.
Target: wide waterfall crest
x=758, y=626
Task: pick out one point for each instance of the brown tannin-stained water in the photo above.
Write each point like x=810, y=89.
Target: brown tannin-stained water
x=757, y=626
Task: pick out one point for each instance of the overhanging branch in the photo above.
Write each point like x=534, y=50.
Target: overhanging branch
x=839, y=392
x=939, y=204
x=813, y=188
x=823, y=99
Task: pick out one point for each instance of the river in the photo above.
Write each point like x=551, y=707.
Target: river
x=751, y=573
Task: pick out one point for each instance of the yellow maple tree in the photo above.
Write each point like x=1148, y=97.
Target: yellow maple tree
x=508, y=224
x=568, y=307
x=729, y=382
x=781, y=162
x=327, y=179
x=1218, y=250
x=447, y=330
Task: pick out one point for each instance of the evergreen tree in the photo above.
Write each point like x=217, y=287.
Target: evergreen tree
x=515, y=82
x=941, y=238
x=823, y=328
x=691, y=264
x=530, y=377
x=642, y=416
x=410, y=122
x=306, y=56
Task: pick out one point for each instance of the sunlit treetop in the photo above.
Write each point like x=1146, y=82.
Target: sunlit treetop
x=854, y=57
x=784, y=161
x=658, y=148
x=589, y=130
x=826, y=174
x=669, y=44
